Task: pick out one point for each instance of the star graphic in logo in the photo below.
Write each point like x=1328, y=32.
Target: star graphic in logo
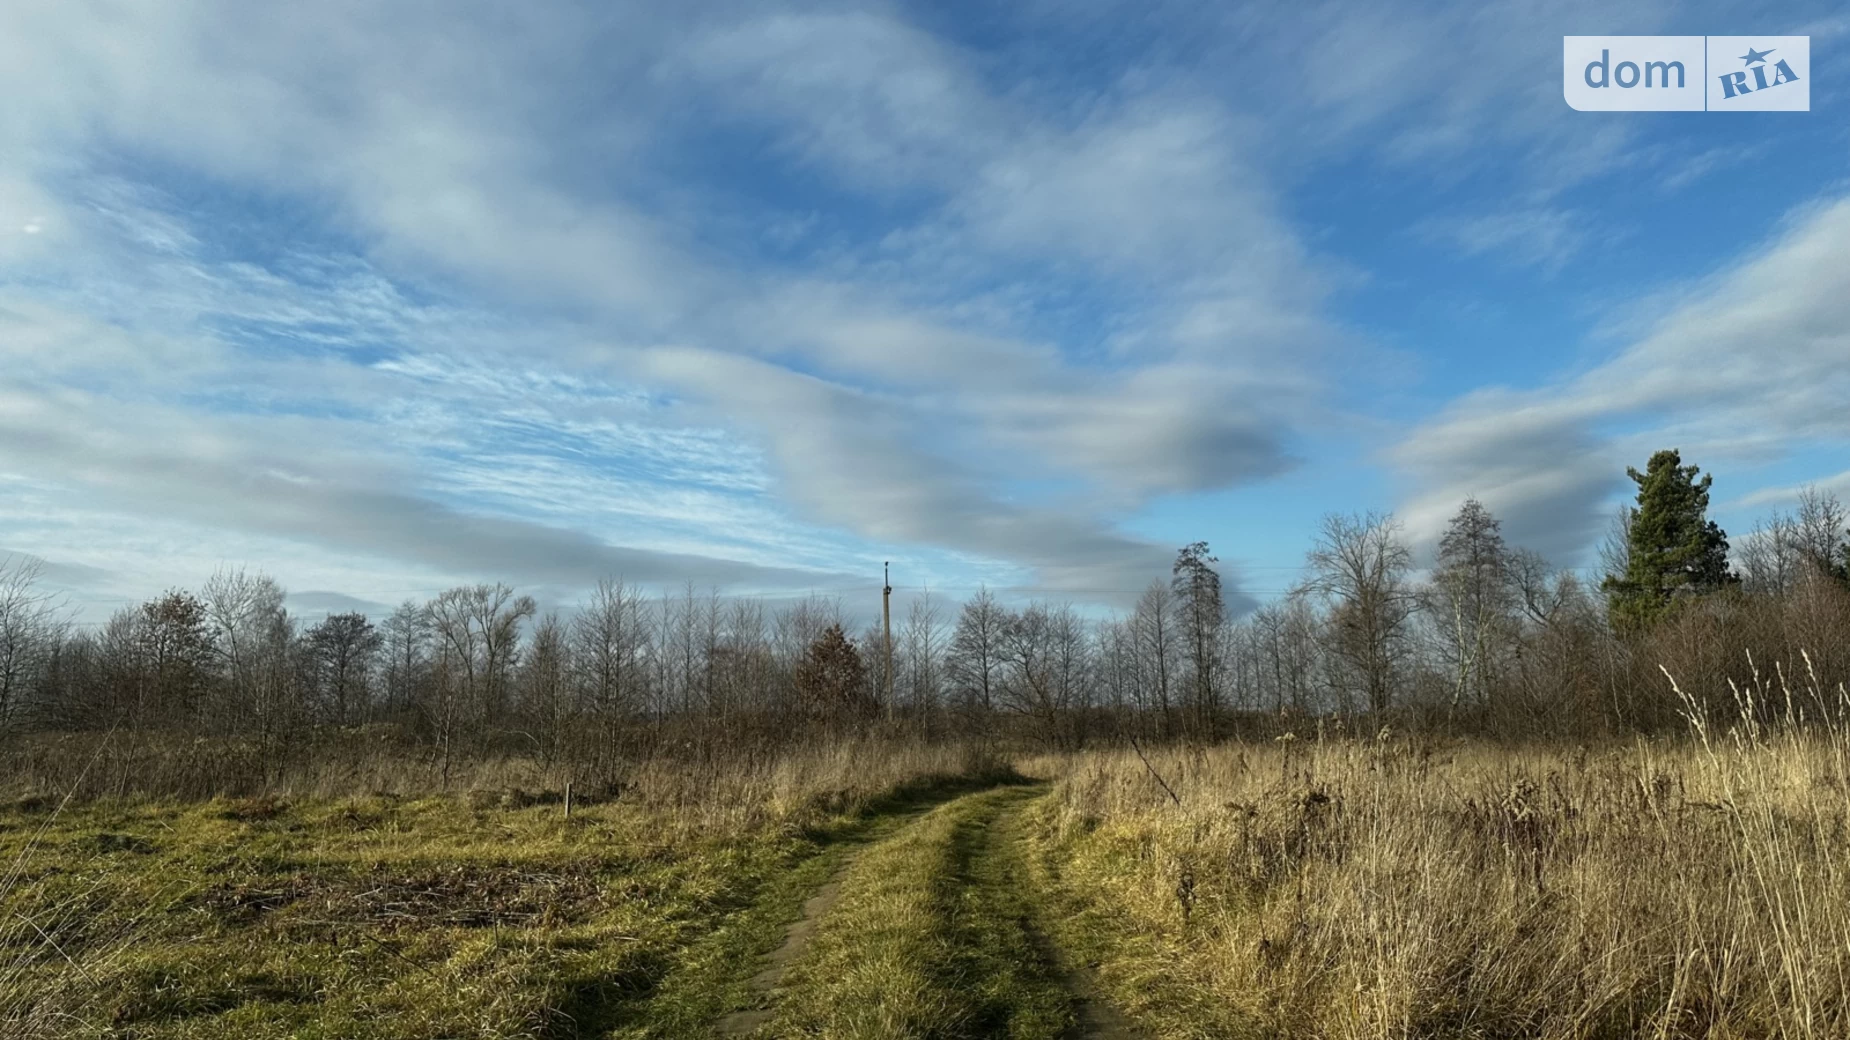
x=1752, y=56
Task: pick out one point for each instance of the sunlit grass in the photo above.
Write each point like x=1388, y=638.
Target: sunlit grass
x=1409, y=888
x=478, y=916
x=931, y=938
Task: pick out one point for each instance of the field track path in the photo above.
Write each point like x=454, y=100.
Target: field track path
x=716, y=982
x=1094, y=1017
x=746, y=1021
x=971, y=854
x=796, y=940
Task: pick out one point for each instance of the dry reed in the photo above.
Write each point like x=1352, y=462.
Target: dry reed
x=1414, y=888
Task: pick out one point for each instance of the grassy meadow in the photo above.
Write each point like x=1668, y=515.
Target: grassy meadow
x=1396, y=886
x=484, y=915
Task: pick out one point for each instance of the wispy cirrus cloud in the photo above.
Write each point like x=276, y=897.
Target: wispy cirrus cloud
x=1542, y=237
x=1745, y=366
x=760, y=294
x=438, y=175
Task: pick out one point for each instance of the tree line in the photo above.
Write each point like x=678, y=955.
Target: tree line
x=1483, y=636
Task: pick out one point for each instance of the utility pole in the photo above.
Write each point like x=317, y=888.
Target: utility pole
x=886, y=626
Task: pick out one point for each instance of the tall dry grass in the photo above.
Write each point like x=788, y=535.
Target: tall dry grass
x=799, y=784
x=1399, y=888
x=708, y=778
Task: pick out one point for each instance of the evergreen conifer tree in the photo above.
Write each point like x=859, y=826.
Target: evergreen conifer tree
x=1674, y=549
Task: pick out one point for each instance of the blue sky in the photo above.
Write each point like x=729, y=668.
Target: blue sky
x=381, y=298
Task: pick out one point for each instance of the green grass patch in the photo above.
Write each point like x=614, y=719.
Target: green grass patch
x=931, y=938
x=387, y=918
x=711, y=975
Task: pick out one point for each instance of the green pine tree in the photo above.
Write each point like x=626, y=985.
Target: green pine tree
x=1673, y=549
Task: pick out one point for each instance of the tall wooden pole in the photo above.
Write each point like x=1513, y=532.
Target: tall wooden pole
x=886, y=626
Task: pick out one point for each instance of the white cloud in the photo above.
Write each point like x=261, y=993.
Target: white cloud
x=1837, y=484
x=531, y=322
x=1541, y=236
x=1748, y=364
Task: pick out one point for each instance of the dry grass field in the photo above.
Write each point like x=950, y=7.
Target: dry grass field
x=1409, y=888
x=1350, y=889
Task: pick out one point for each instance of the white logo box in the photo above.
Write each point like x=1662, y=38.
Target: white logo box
x=1687, y=73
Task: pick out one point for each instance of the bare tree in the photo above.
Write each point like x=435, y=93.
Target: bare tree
x=680, y=627
x=1360, y=566
x=743, y=668
x=251, y=633
x=667, y=691
x=1615, y=549
x=176, y=649
x=1541, y=592
x=477, y=633
x=31, y=627
x=793, y=629
x=1196, y=587
x=407, y=635
x=545, y=687
x=1469, y=600
x=340, y=651
x=1237, y=664
x=922, y=643
x=710, y=618
x=498, y=617
x=974, y=663
x=873, y=637
x=456, y=669
x=1117, y=664
x=1074, y=668
x=1768, y=557
x=1047, y=669
x=75, y=691
x=122, y=668
x=1787, y=549
x=1158, y=643
x=1285, y=654
x=1552, y=677
x=1819, y=532
x=609, y=642
x=1030, y=684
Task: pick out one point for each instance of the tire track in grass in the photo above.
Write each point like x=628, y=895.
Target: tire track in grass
x=933, y=936
x=744, y=1021
x=694, y=985
x=1132, y=967
x=1094, y=1017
